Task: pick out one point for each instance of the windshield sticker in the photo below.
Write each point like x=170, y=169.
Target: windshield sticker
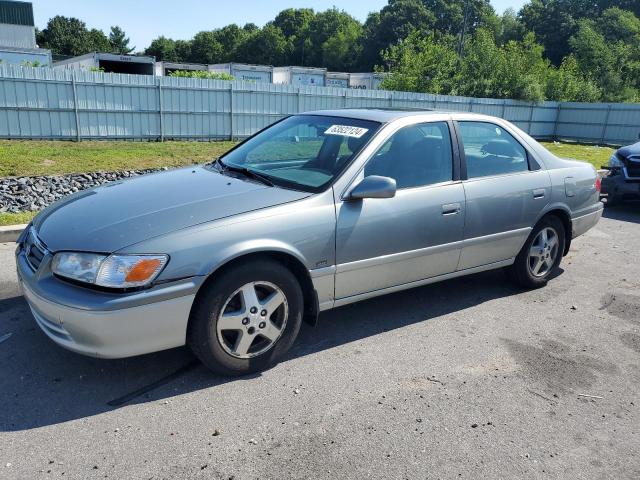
x=346, y=131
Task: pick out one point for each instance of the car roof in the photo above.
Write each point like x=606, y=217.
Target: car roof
x=387, y=115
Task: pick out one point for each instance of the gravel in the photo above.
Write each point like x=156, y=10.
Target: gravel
x=29, y=194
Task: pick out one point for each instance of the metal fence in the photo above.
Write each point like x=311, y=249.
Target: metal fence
x=44, y=103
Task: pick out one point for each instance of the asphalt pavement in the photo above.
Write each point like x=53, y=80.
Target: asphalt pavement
x=470, y=378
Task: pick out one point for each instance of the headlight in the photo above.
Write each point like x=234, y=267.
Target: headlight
x=614, y=161
x=114, y=271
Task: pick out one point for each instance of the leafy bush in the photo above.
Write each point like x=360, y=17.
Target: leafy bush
x=201, y=74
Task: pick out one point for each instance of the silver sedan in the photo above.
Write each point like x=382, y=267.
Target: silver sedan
x=316, y=211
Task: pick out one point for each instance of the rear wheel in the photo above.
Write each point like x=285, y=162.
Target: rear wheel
x=247, y=318
x=541, y=254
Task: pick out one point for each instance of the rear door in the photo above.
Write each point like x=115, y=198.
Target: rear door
x=505, y=191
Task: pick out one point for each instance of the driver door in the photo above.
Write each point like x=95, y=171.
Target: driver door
x=417, y=234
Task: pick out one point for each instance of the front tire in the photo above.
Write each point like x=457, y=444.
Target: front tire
x=541, y=254
x=247, y=318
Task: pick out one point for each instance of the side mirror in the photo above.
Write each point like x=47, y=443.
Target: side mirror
x=374, y=186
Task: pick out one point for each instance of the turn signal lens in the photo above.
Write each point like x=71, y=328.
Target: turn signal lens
x=125, y=271
x=142, y=270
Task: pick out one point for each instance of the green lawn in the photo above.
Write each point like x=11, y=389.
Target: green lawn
x=595, y=155
x=16, y=218
x=18, y=157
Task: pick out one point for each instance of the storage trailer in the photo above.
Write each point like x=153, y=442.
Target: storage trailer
x=246, y=72
x=300, y=76
x=337, y=79
x=110, y=63
x=366, y=81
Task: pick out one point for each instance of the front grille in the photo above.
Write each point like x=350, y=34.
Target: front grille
x=34, y=251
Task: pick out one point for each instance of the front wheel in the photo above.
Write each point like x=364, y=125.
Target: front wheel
x=247, y=318
x=541, y=254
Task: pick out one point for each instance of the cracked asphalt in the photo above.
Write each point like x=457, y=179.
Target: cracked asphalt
x=470, y=378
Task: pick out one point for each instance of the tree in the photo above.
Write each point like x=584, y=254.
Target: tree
x=294, y=24
x=393, y=24
x=266, y=47
x=567, y=84
x=341, y=51
x=119, y=41
x=163, y=48
x=610, y=58
x=510, y=28
x=422, y=64
x=326, y=25
x=450, y=14
x=70, y=36
x=205, y=48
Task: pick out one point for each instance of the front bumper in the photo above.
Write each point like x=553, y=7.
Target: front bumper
x=103, y=324
x=621, y=188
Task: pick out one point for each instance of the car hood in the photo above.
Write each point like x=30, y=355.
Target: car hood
x=626, y=152
x=116, y=215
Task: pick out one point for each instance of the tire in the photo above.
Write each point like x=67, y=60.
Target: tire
x=523, y=271
x=216, y=339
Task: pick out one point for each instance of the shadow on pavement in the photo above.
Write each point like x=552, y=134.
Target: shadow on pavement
x=42, y=384
x=626, y=212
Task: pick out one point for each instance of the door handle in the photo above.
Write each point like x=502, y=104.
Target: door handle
x=451, y=208
x=539, y=193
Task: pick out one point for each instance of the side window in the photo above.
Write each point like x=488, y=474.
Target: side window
x=491, y=150
x=415, y=156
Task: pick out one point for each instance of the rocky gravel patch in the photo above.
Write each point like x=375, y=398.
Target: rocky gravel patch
x=25, y=194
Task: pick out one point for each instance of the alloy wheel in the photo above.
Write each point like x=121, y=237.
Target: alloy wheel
x=543, y=252
x=252, y=320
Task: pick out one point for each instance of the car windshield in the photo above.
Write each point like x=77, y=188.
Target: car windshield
x=304, y=152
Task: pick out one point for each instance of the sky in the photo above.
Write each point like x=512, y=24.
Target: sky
x=144, y=20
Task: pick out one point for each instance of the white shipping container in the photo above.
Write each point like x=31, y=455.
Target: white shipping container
x=366, y=81
x=337, y=79
x=110, y=62
x=300, y=76
x=243, y=71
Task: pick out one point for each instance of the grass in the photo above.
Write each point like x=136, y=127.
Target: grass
x=16, y=218
x=23, y=157
x=595, y=155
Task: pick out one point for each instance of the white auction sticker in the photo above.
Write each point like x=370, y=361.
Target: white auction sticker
x=346, y=131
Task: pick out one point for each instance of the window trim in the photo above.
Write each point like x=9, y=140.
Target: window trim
x=531, y=161
x=455, y=158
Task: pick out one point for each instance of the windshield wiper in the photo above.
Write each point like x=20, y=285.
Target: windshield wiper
x=247, y=172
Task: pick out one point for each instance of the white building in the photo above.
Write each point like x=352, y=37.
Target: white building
x=18, y=35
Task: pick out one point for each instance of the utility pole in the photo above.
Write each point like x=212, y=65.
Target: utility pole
x=464, y=27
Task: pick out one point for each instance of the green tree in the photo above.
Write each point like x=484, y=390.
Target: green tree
x=422, y=64
x=163, y=48
x=325, y=25
x=568, y=84
x=294, y=24
x=606, y=58
x=206, y=48
x=119, y=41
x=450, y=14
x=266, y=46
x=510, y=27
x=391, y=25
x=70, y=36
